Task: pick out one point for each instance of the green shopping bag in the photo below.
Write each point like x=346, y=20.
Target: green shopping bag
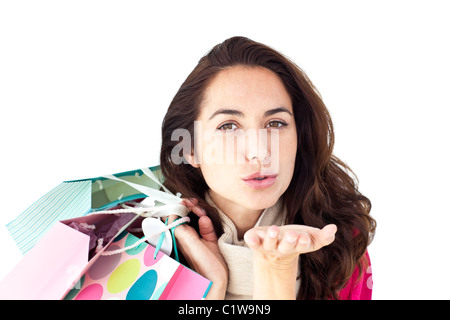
x=72, y=199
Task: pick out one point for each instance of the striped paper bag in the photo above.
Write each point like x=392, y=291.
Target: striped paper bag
x=72, y=199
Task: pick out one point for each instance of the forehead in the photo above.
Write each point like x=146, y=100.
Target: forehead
x=249, y=89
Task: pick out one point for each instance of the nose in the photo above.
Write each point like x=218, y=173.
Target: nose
x=257, y=147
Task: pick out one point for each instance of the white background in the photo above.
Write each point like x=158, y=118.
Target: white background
x=84, y=86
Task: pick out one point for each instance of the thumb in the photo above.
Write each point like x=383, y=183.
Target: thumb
x=206, y=229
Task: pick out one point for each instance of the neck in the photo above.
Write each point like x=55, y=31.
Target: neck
x=243, y=218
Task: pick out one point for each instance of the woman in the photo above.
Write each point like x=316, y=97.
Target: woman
x=280, y=217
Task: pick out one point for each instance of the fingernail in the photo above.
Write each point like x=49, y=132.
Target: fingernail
x=303, y=239
x=273, y=232
x=291, y=239
x=250, y=240
x=194, y=200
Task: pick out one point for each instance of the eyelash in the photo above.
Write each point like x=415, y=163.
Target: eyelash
x=281, y=124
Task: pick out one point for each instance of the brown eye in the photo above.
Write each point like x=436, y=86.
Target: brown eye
x=227, y=126
x=276, y=124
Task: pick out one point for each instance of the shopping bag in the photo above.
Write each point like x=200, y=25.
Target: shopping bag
x=72, y=247
x=77, y=198
x=138, y=274
x=55, y=263
x=63, y=254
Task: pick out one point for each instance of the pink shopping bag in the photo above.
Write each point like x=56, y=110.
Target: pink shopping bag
x=54, y=264
x=64, y=255
x=136, y=274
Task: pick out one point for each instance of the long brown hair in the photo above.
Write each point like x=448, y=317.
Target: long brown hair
x=323, y=189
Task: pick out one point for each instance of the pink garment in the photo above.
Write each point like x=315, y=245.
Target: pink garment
x=359, y=288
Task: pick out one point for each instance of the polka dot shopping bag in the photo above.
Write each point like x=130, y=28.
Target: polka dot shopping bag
x=95, y=256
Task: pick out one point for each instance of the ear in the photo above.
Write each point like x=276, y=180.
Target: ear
x=190, y=159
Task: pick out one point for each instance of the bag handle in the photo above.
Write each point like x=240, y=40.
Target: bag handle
x=151, y=211
x=164, y=197
x=170, y=227
x=147, y=212
x=172, y=203
x=152, y=176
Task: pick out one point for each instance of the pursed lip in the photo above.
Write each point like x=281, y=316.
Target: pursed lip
x=259, y=175
x=260, y=180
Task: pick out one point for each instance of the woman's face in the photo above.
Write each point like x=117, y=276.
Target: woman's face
x=248, y=141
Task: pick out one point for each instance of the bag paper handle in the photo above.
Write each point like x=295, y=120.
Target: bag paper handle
x=171, y=206
x=151, y=212
x=172, y=203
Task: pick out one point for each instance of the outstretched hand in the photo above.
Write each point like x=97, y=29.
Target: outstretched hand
x=279, y=246
x=276, y=251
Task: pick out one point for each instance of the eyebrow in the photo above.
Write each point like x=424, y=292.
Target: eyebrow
x=238, y=113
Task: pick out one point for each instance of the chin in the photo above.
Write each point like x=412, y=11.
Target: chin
x=261, y=202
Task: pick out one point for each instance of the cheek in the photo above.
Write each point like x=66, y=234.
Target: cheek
x=210, y=146
x=287, y=156
x=289, y=150
x=284, y=147
x=218, y=177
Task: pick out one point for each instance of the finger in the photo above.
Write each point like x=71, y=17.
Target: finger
x=193, y=200
x=329, y=230
x=206, y=229
x=191, y=204
x=271, y=238
x=186, y=234
x=303, y=244
x=171, y=218
x=288, y=242
x=327, y=234
x=189, y=243
x=252, y=239
x=323, y=237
